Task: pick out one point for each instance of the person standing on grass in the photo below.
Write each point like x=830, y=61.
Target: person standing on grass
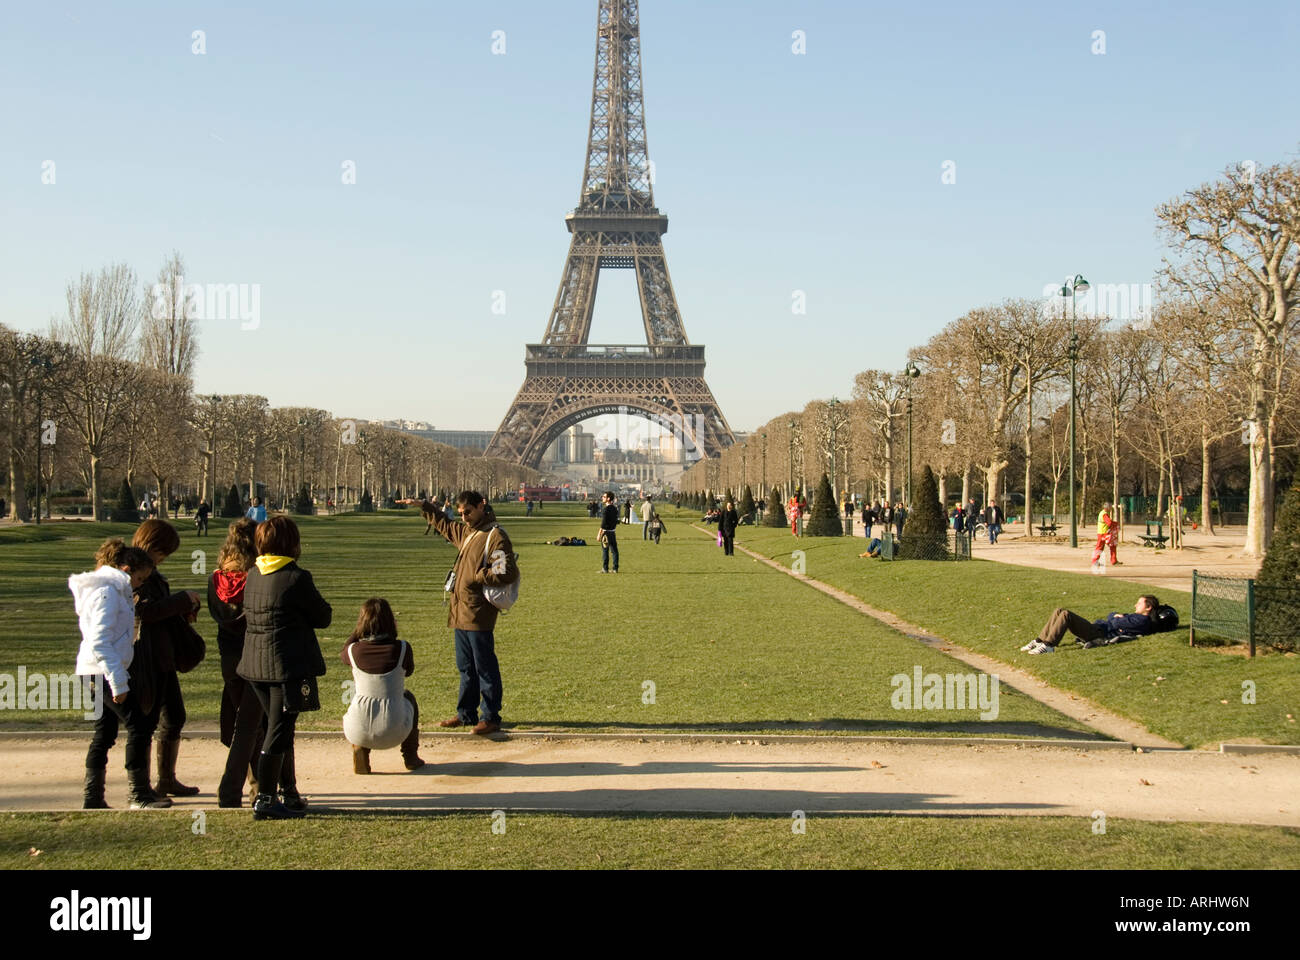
x=283, y=610
x=162, y=615
x=656, y=526
x=256, y=512
x=792, y=512
x=201, y=519
x=608, y=535
x=383, y=713
x=647, y=511
x=484, y=558
x=727, y=523
x=106, y=615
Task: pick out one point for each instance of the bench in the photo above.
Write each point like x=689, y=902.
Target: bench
x=1157, y=541
x=1045, y=528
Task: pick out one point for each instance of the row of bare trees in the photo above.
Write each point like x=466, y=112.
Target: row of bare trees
x=109, y=395
x=1200, y=394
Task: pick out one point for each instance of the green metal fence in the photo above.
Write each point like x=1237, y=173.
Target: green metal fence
x=1240, y=609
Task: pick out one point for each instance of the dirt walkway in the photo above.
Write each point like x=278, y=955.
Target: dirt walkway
x=746, y=776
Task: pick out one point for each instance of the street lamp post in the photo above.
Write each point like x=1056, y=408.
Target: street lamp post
x=212, y=444
x=43, y=365
x=830, y=416
x=1072, y=288
x=911, y=372
x=763, y=493
x=789, y=485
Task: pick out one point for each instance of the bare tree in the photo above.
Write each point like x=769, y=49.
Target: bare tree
x=169, y=331
x=1242, y=233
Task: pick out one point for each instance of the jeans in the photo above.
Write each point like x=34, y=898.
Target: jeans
x=480, y=676
x=609, y=546
x=139, y=731
x=995, y=529
x=645, y=529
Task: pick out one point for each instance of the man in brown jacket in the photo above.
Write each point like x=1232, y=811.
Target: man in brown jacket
x=485, y=558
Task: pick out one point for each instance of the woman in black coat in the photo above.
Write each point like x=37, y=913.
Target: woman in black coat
x=282, y=611
x=728, y=520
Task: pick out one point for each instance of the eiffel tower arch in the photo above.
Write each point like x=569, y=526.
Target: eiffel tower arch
x=615, y=226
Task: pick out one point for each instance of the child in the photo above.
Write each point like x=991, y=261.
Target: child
x=383, y=714
x=107, y=619
x=657, y=526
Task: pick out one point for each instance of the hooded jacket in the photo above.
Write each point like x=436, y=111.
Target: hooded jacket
x=106, y=614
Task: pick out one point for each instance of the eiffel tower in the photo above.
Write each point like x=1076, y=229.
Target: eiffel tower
x=617, y=226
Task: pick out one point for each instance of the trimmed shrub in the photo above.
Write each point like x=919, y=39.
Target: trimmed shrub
x=234, y=505
x=925, y=530
x=825, y=520
x=367, y=503
x=302, y=502
x=775, y=515
x=125, y=510
x=746, y=507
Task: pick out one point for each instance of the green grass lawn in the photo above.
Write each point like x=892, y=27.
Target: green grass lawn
x=727, y=642
x=1172, y=689
x=146, y=840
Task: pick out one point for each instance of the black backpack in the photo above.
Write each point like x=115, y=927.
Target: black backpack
x=1165, y=618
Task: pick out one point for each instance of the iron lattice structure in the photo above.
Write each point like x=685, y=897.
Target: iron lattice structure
x=615, y=226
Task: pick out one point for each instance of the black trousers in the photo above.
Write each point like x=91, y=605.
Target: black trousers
x=171, y=715
x=139, y=731
x=279, y=725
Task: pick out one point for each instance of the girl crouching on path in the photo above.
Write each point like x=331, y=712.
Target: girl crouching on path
x=282, y=611
x=383, y=714
x=106, y=614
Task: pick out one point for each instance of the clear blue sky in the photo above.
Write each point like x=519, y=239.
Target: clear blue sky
x=779, y=172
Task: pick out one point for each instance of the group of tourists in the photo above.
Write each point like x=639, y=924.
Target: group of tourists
x=137, y=638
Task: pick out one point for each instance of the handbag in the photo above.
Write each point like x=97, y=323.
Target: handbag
x=719, y=536
x=301, y=695
x=188, y=648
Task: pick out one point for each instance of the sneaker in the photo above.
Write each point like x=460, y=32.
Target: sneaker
x=266, y=807
x=1030, y=644
x=149, y=801
x=1042, y=648
x=602, y=571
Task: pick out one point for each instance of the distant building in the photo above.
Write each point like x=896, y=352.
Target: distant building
x=467, y=441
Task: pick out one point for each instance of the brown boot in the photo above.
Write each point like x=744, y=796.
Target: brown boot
x=360, y=759
x=166, y=754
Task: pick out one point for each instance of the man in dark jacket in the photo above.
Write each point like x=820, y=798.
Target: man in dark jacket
x=1098, y=632
x=608, y=535
x=485, y=558
x=993, y=517
x=728, y=520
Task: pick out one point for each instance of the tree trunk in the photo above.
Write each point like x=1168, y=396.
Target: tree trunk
x=18, y=508
x=96, y=494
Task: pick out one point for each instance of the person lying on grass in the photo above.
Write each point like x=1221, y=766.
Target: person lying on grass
x=1097, y=632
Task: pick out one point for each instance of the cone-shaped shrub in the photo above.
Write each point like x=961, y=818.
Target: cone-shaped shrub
x=825, y=519
x=746, y=507
x=125, y=511
x=234, y=506
x=925, y=531
x=302, y=502
x=1282, y=562
x=775, y=515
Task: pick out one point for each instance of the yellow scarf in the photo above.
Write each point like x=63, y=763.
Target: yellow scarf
x=269, y=563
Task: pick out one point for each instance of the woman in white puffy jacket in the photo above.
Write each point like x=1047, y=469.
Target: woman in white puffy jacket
x=106, y=614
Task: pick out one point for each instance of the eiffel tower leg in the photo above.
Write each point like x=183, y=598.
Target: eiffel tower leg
x=663, y=323
x=571, y=315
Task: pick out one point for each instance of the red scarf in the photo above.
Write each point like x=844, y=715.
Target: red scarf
x=230, y=585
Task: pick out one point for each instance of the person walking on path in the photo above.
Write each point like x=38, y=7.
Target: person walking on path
x=900, y=517
x=647, y=510
x=383, y=713
x=627, y=510
x=1107, y=535
x=993, y=517
x=792, y=510
x=106, y=616
x=868, y=518
x=727, y=524
x=484, y=557
x=283, y=610
x=162, y=617
x=1097, y=632
x=608, y=535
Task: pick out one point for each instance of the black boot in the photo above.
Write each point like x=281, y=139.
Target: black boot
x=93, y=796
x=411, y=745
x=289, y=794
x=167, y=752
x=266, y=806
x=141, y=794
